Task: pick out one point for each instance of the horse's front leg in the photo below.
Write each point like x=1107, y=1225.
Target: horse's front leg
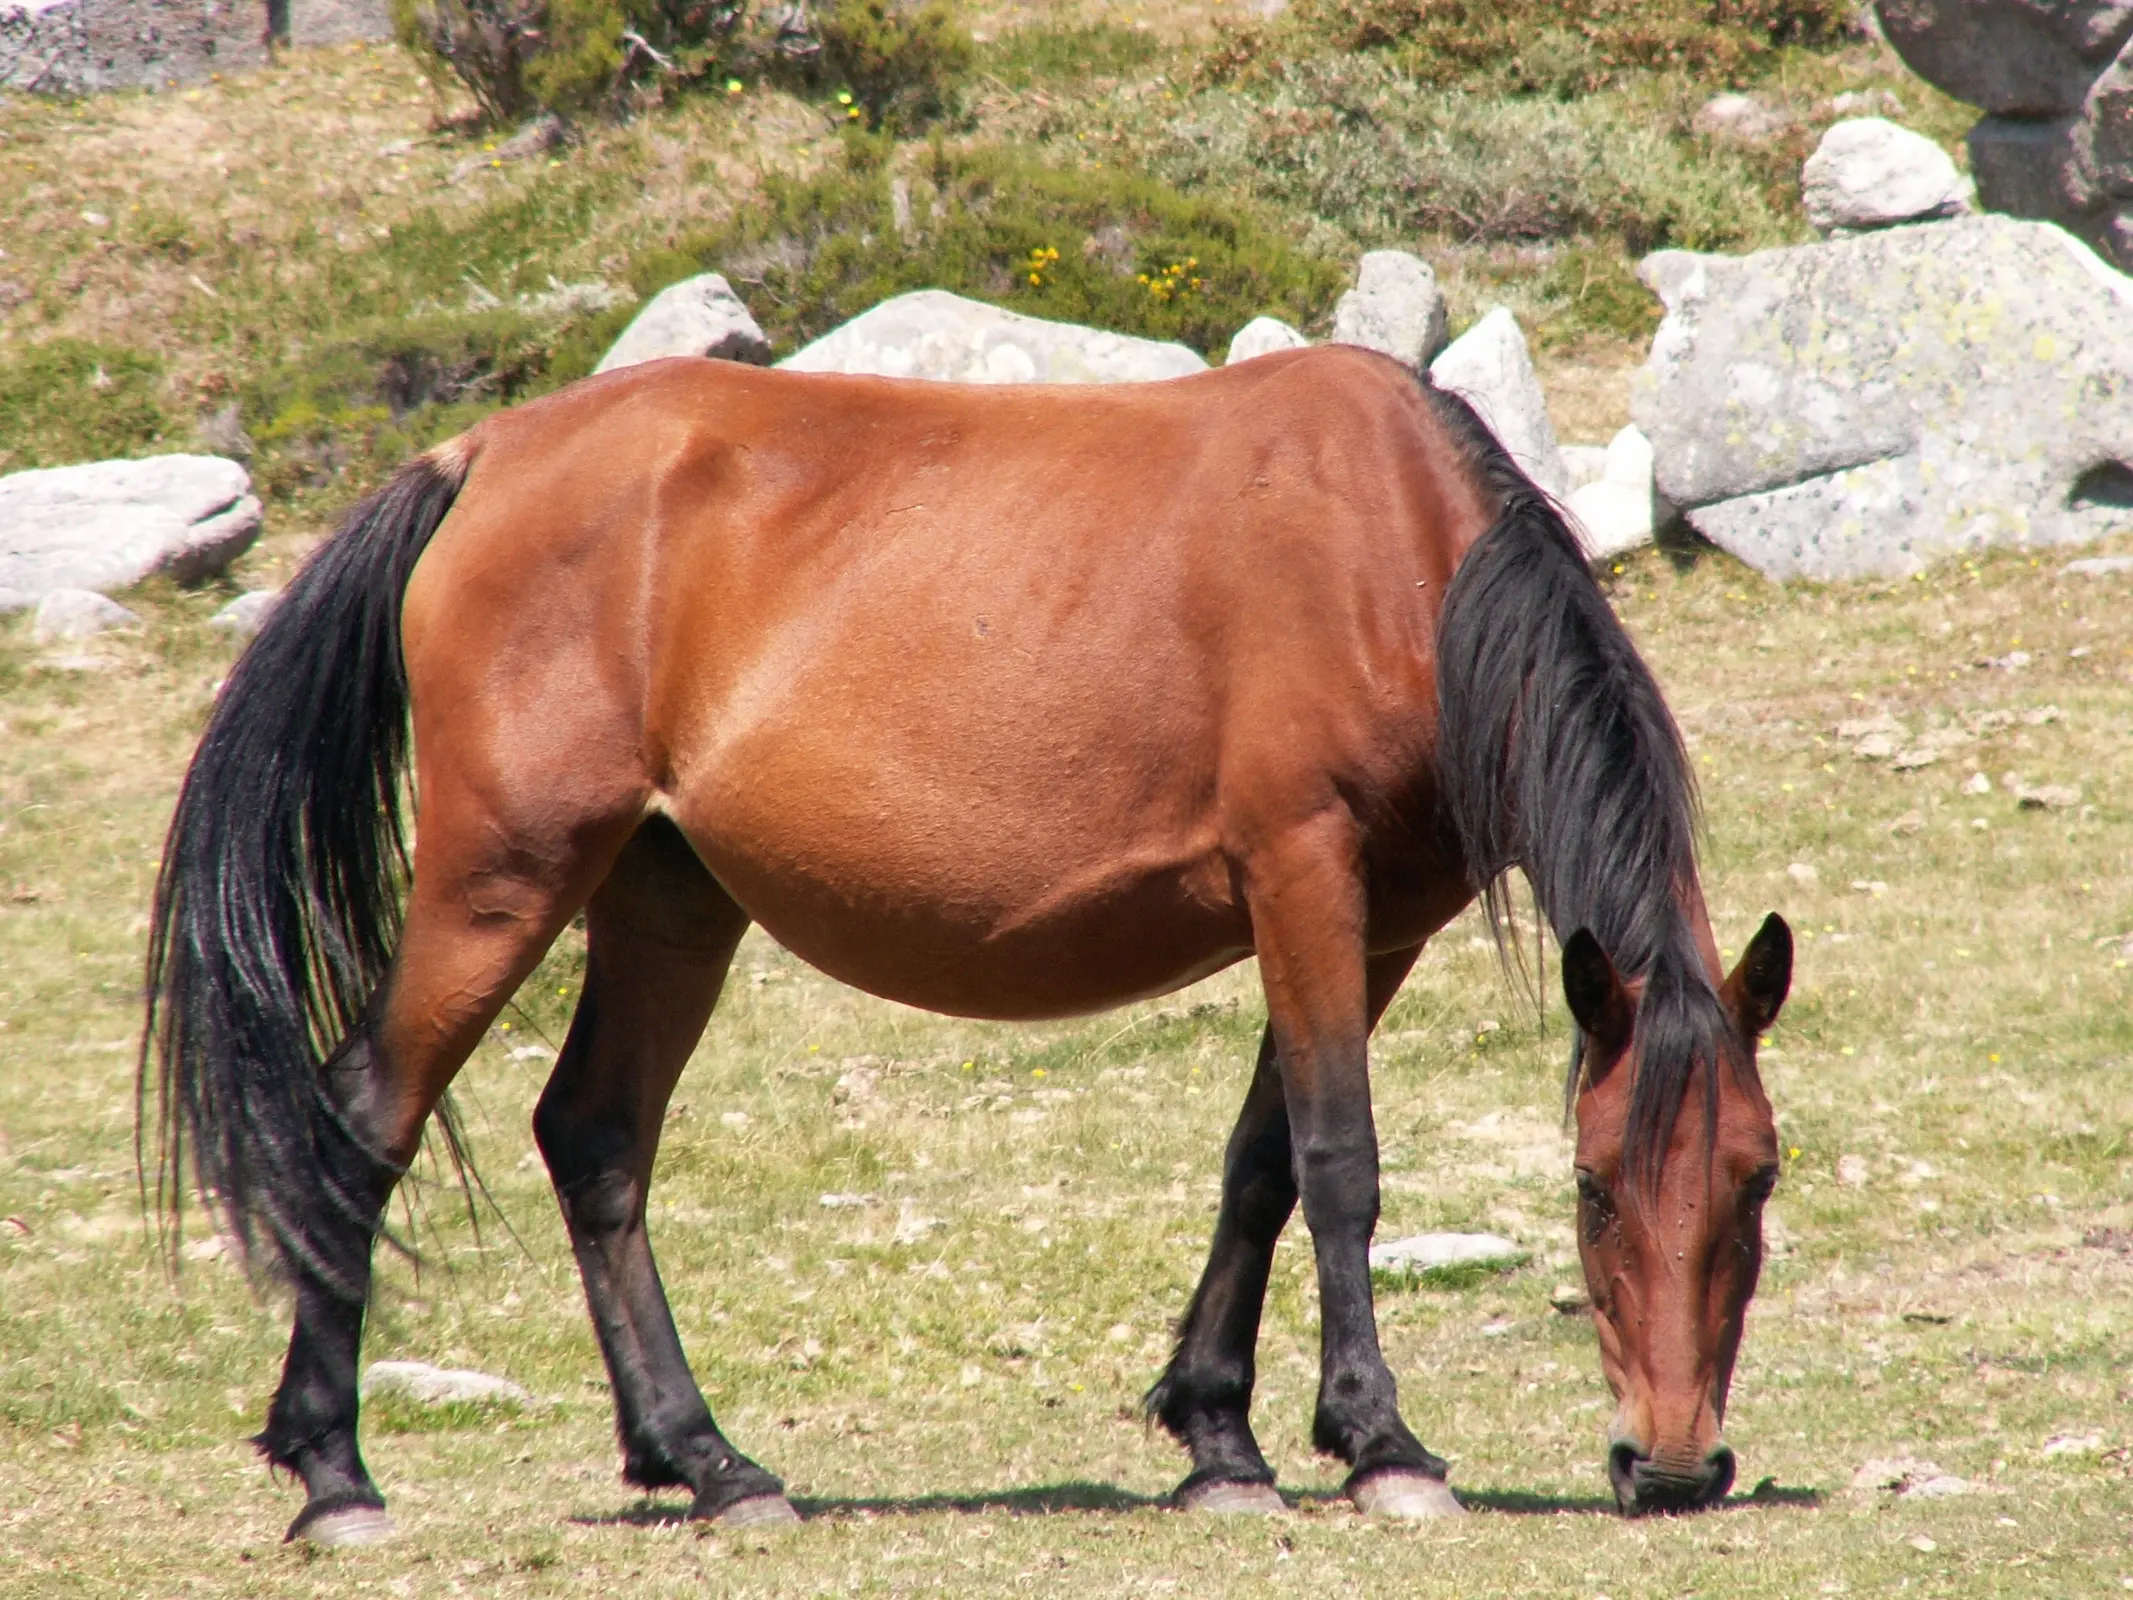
x=1308, y=917
x=1205, y=1395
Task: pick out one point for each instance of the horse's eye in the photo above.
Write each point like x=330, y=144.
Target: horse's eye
x=1759, y=1185
x=1591, y=1190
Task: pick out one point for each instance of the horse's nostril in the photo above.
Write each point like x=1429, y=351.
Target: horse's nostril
x=1718, y=1468
x=1623, y=1460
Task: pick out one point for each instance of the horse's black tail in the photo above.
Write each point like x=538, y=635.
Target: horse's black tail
x=277, y=906
x=1556, y=754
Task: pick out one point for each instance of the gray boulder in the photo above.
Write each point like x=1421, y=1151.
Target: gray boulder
x=2056, y=77
x=1395, y=307
x=1869, y=173
x=109, y=524
x=934, y=334
x=78, y=614
x=1262, y=336
x=1489, y=368
x=1864, y=406
x=699, y=316
x=247, y=614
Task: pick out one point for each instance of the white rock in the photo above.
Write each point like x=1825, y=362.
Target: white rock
x=247, y=614
x=1488, y=366
x=1852, y=1171
x=1427, y=1252
x=1739, y=116
x=1395, y=307
x=1869, y=173
x=699, y=316
x=1582, y=464
x=934, y=334
x=1941, y=1486
x=437, y=1386
x=1616, y=512
x=1803, y=874
x=1860, y=407
x=2073, y=1444
x=1896, y=1473
x=77, y=614
x=1263, y=336
x=2097, y=567
x=107, y=525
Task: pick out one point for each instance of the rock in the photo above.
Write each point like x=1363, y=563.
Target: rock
x=1395, y=307
x=1803, y=874
x=1488, y=366
x=1432, y=1252
x=1862, y=406
x=1941, y=1486
x=1869, y=173
x=1895, y=1473
x=934, y=334
x=1614, y=513
x=77, y=614
x=74, y=47
x=2014, y=57
x=1852, y=1171
x=1582, y=464
x=699, y=316
x=2073, y=1444
x=221, y=433
x=2046, y=797
x=247, y=614
x=109, y=524
x=2057, y=79
x=1263, y=336
x=426, y=1385
x=1741, y=117
x=2097, y=567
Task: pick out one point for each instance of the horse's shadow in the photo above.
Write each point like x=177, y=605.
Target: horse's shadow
x=1105, y=1499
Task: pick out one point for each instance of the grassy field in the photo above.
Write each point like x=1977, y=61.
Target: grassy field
x=945, y=1362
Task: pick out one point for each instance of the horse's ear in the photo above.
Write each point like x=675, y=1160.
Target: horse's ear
x=1758, y=986
x=1594, y=991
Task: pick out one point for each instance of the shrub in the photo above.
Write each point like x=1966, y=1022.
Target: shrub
x=70, y=400
x=1559, y=47
x=1106, y=247
x=900, y=63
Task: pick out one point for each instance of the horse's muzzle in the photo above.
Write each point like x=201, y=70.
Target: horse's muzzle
x=1644, y=1485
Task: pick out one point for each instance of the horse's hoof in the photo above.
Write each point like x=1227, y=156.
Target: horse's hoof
x=1231, y=1499
x=757, y=1511
x=1409, y=1496
x=346, y=1528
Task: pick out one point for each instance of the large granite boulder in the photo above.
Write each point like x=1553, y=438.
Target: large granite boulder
x=1395, y=307
x=1262, y=336
x=1489, y=368
x=699, y=316
x=1863, y=406
x=1869, y=173
x=2056, y=77
x=935, y=334
x=107, y=525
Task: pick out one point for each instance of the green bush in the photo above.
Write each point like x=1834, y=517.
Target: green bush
x=1361, y=145
x=900, y=63
x=69, y=400
x=1559, y=47
x=1106, y=247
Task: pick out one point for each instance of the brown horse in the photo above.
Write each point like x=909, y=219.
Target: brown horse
x=1009, y=703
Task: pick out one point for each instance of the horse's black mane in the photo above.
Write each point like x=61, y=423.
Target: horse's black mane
x=1557, y=755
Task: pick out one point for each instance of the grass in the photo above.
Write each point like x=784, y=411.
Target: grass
x=946, y=1367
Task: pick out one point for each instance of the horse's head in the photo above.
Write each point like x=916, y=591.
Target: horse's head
x=1676, y=1153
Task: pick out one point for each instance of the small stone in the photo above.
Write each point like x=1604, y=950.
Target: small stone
x=2097, y=567
x=1892, y=1474
x=2073, y=1444
x=247, y=614
x=1432, y=1252
x=2048, y=797
x=1616, y=513
x=1262, y=336
x=1852, y=1171
x=1977, y=783
x=845, y=1202
x=1570, y=1301
x=1869, y=173
x=1922, y=1544
x=1739, y=116
x=1942, y=1486
x=1912, y=759
x=734, y=1119
x=1911, y=822
x=222, y=433
x=78, y=614
x=1875, y=747
x=1395, y=307
x=1872, y=886
x=699, y=316
x=425, y=1385
x=1803, y=874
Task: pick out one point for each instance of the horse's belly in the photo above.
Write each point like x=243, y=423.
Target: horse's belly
x=967, y=911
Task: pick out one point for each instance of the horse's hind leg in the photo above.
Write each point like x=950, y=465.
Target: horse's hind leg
x=660, y=934
x=1205, y=1395
x=480, y=915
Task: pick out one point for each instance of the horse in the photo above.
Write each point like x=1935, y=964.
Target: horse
x=1012, y=703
